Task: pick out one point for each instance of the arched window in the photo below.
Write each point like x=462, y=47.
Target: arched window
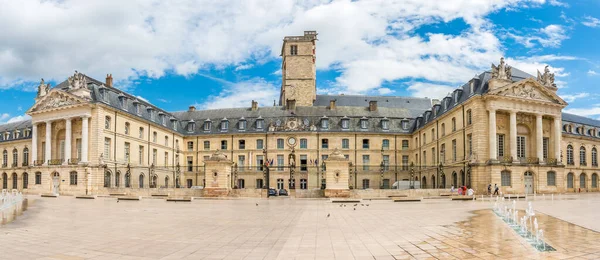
x=570, y=155
x=469, y=117
x=594, y=157
x=424, y=182
x=453, y=124
x=582, y=180
x=25, y=156
x=551, y=178
x=505, y=178
x=454, y=179
x=443, y=130
x=141, y=180
x=582, y=155
x=4, y=158
x=107, y=123
x=107, y=176
x=15, y=157
x=167, y=181
x=15, y=180
x=594, y=181
x=443, y=181
x=570, y=177
x=117, y=179
x=127, y=128
x=73, y=178
x=25, y=180
x=127, y=180
x=4, y=181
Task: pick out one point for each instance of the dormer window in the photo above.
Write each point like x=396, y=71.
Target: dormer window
x=385, y=124
x=191, y=126
x=364, y=123
x=471, y=87
x=174, y=122
x=260, y=123
x=207, y=125
x=123, y=101
x=6, y=135
x=242, y=124
x=104, y=95
x=404, y=124
x=151, y=113
x=325, y=123
x=138, y=107
x=345, y=123
x=224, y=125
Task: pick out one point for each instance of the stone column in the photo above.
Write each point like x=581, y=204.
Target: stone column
x=513, y=135
x=493, y=144
x=84, y=139
x=67, y=141
x=557, y=137
x=34, y=141
x=539, y=137
x=48, y=150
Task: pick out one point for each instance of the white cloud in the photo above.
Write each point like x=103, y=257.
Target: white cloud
x=243, y=67
x=143, y=99
x=241, y=94
x=572, y=97
x=384, y=91
x=6, y=118
x=592, y=72
x=591, y=21
x=430, y=90
x=558, y=3
x=590, y=111
x=549, y=36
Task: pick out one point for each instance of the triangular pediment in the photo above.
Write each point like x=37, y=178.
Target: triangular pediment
x=528, y=89
x=54, y=100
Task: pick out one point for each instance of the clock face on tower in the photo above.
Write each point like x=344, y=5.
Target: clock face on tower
x=292, y=141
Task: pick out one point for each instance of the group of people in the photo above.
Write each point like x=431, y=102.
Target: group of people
x=463, y=190
x=496, y=189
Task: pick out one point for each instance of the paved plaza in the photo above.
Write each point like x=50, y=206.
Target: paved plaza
x=288, y=228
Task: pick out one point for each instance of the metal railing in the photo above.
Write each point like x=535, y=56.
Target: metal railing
x=551, y=161
x=74, y=161
x=25, y=163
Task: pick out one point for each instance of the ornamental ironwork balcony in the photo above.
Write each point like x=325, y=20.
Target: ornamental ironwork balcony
x=74, y=161
x=505, y=159
x=583, y=163
x=55, y=161
x=551, y=161
x=14, y=165
x=529, y=160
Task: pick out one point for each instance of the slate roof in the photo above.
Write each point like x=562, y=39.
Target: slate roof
x=566, y=117
x=415, y=106
x=20, y=127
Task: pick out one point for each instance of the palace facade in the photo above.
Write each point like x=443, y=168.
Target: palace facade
x=502, y=127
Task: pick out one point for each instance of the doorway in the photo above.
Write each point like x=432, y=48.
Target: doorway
x=528, y=180
x=55, y=183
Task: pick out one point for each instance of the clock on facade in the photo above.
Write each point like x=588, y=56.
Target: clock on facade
x=292, y=141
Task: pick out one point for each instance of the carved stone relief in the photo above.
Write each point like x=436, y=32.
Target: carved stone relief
x=56, y=102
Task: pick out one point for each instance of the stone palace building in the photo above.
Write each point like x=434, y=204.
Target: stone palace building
x=501, y=127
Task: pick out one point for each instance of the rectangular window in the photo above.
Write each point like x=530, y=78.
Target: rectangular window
x=280, y=162
x=521, y=141
x=505, y=178
x=154, y=137
x=433, y=154
x=546, y=142
x=424, y=158
x=551, y=179
x=259, y=162
x=469, y=145
x=280, y=143
x=303, y=163
x=206, y=145
x=61, y=151
x=73, y=178
x=293, y=49
x=443, y=153
x=500, y=142
x=365, y=162
x=303, y=143
x=303, y=183
x=365, y=183
x=190, y=146
x=404, y=144
x=386, y=162
x=166, y=141
x=259, y=144
x=259, y=183
x=323, y=158
x=78, y=147
x=324, y=143
x=190, y=163
x=241, y=161
x=404, y=162
x=127, y=152
x=141, y=155
x=365, y=143
x=141, y=133
x=166, y=159
x=38, y=178
x=242, y=144
x=345, y=144
x=154, y=154
x=107, y=148
x=385, y=144
x=223, y=144
x=454, y=150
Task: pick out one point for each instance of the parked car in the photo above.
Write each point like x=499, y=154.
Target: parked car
x=283, y=192
x=272, y=192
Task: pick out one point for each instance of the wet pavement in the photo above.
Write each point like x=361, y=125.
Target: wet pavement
x=69, y=228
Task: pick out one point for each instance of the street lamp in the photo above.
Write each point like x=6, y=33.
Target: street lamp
x=381, y=170
x=412, y=175
x=265, y=172
x=441, y=173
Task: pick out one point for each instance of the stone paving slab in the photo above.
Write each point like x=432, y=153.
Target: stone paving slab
x=68, y=228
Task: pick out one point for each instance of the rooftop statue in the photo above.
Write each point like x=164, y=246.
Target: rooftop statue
x=546, y=79
x=502, y=71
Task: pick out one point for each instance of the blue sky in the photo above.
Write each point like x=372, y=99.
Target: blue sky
x=215, y=54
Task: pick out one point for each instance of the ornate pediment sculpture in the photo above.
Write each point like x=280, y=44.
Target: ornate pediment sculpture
x=43, y=89
x=546, y=79
x=502, y=71
x=56, y=102
x=77, y=81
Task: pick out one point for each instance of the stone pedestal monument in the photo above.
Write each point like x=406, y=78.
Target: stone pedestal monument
x=217, y=175
x=336, y=176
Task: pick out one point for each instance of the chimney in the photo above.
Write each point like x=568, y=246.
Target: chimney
x=332, y=104
x=254, y=105
x=109, y=80
x=372, y=105
x=191, y=109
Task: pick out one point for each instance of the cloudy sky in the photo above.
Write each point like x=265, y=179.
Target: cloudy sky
x=225, y=53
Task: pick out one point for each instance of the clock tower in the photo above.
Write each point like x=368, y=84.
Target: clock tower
x=298, y=71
